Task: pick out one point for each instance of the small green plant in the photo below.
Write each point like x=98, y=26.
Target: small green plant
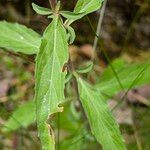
x=54, y=69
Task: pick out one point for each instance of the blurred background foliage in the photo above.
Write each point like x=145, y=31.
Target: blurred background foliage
x=125, y=35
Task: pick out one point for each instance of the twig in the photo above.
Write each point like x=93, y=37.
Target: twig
x=99, y=26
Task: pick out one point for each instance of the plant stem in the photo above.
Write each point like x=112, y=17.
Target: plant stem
x=99, y=26
x=105, y=54
x=52, y=4
x=75, y=84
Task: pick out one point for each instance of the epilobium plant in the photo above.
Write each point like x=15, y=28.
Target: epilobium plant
x=52, y=65
x=50, y=78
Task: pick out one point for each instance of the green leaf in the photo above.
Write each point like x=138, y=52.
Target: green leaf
x=21, y=117
x=41, y=10
x=87, y=68
x=72, y=34
x=71, y=15
x=103, y=125
x=50, y=78
x=19, y=38
x=86, y=7
x=131, y=76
